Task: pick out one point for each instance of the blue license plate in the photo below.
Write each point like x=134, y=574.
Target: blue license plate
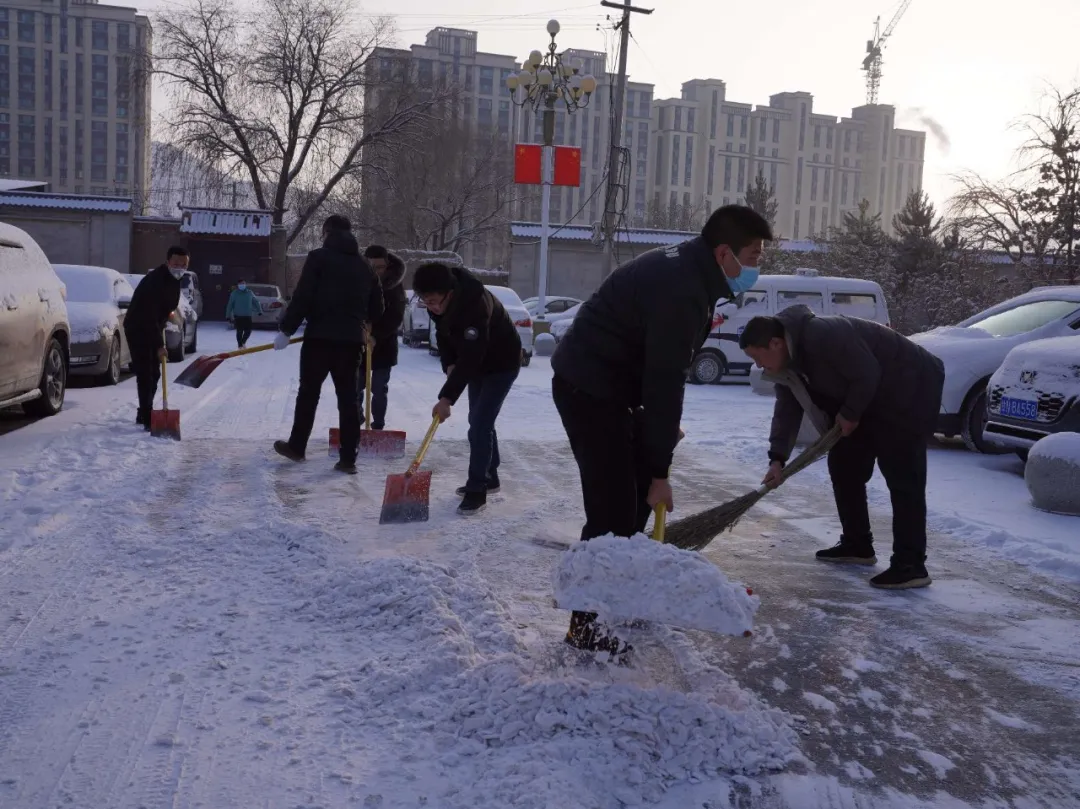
x=1019, y=408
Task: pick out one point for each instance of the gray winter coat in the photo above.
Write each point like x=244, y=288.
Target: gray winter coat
x=856, y=368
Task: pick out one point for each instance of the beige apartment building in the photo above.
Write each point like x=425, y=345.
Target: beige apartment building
x=451, y=55
x=74, y=100
x=707, y=150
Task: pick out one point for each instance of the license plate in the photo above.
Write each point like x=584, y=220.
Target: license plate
x=1019, y=408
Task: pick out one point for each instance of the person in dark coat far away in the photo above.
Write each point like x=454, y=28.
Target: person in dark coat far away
x=480, y=350
x=384, y=329
x=621, y=368
x=338, y=294
x=155, y=298
x=885, y=393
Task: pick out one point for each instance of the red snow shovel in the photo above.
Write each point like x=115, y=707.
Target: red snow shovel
x=407, y=496
x=373, y=443
x=165, y=423
x=195, y=374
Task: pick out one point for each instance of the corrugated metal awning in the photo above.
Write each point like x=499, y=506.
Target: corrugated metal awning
x=226, y=223
x=67, y=202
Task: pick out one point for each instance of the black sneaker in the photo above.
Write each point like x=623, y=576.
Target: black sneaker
x=902, y=577
x=849, y=553
x=283, y=449
x=586, y=636
x=492, y=488
x=472, y=503
x=142, y=420
x=347, y=468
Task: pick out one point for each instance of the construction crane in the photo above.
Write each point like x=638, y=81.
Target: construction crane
x=872, y=63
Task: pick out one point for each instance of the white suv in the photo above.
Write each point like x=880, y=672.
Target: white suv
x=35, y=335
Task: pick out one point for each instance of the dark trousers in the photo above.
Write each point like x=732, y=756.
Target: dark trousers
x=486, y=396
x=339, y=360
x=243, y=330
x=380, y=393
x=147, y=367
x=901, y=457
x=606, y=440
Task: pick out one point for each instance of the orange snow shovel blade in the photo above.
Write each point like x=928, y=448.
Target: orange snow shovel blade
x=165, y=423
x=334, y=449
x=376, y=443
x=407, y=496
x=197, y=372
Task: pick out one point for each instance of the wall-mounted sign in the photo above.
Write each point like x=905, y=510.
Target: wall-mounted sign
x=215, y=269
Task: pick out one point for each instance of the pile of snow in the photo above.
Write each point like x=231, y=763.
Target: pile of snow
x=622, y=579
x=1052, y=473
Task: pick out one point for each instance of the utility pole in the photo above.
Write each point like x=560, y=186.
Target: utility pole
x=611, y=198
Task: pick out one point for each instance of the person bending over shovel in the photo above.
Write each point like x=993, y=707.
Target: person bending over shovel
x=384, y=329
x=885, y=392
x=480, y=350
x=621, y=368
x=337, y=294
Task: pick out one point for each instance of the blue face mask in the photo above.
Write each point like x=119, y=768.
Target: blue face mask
x=242, y=287
x=744, y=282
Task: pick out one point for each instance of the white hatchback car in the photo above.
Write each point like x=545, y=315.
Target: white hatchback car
x=974, y=349
x=517, y=312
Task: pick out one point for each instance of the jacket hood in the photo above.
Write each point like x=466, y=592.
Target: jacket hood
x=395, y=272
x=794, y=319
x=342, y=241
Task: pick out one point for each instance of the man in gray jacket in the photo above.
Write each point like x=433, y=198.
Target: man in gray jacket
x=885, y=392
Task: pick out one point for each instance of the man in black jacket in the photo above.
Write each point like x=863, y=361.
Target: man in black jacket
x=384, y=329
x=620, y=371
x=480, y=350
x=885, y=393
x=338, y=293
x=155, y=298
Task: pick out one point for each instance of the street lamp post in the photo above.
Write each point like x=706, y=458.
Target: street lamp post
x=545, y=81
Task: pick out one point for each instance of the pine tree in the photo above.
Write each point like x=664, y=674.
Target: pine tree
x=760, y=197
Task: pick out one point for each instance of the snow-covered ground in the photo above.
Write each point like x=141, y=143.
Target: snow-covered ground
x=203, y=624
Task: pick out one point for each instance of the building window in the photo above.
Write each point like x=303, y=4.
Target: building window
x=123, y=36
x=802, y=126
x=483, y=112
x=643, y=142
x=79, y=83
x=674, y=160
x=48, y=72
x=99, y=35
x=847, y=141
x=817, y=145
x=772, y=178
x=856, y=197
x=99, y=85
x=504, y=120
x=742, y=148
x=27, y=79
x=80, y=150
x=762, y=127
x=27, y=26
x=744, y=124
x=487, y=80
x=78, y=32
x=5, y=77
x=5, y=22
x=813, y=221
x=843, y=188
x=761, y=151
x=828, y=184
x=712, y=168
x=899, y=185
x=99, y=151
x=813, y=186
x=63, y=154
x=727, y=173
x=27, y=145
x=776, y=130
x=690, y=120
x=881, y=190
x=775, y=152
x=798, y=183
x=828, y=137
x=47, y=147
x=5, y=143
x=729, y=147
x=678, y=119
x=712, y=115
x=741, y=187
x=911, y=177
x=690, y=160
x=824, y=221
x=795, y=232
x=730, y=126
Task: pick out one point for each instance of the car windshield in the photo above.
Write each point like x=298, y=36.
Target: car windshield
x=86, y=286
x=507, y=297
x=265, y=290
x=1022, y=319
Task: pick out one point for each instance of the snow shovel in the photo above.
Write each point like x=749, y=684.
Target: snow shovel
x=165, y=423
x=407, y=496
x=373, y=443
x=195, y=374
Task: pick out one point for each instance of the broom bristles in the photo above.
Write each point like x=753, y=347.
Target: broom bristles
x=695, y=532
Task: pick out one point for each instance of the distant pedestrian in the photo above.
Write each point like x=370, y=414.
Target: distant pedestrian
x=885, y=392
x=384, y=330
x=337, y=294
x=480, y=350
x=242, y=307
x=155, y=298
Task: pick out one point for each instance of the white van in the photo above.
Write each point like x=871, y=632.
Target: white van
x=721, y=356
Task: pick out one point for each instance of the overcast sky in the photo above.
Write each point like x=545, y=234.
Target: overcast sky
x=974, y=66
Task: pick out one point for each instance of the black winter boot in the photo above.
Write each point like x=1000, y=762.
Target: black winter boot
x=902, y=577
x=584, y=634
x=850, y=552
x=472, y=503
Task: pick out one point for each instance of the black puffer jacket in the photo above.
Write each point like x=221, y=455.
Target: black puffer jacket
x=475, y=335
x=634, y=340
x=859, y=369
x=156, y=296
x=337, y=293
x=384, y=328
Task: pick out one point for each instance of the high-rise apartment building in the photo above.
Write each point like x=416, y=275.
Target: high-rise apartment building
x=74, y=96
x=707, y=150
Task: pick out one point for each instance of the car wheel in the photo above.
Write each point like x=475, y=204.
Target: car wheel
x=112, y=373
x=526, y=358
x=53, y=385
x=973, y=424
x=708, y=368
x=178, y=354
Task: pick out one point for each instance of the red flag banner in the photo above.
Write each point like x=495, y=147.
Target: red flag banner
x=528, y=162
x=567, y=166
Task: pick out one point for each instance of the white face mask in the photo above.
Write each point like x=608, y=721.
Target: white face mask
x=177, y=272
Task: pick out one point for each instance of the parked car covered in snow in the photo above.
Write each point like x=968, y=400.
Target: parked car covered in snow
x=974, y=349
x=271, y=302
x=190, y=290
x=97, y=299
x=34, y=331
x=517, y=312
x=561, y=326
x=182, y=330
x=555, y=308
x=1035, y=393
x=416, y=324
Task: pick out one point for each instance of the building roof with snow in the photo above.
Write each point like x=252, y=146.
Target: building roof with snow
x=65, y=202
x=651, y=236
x=22, y=185
x=226, y=222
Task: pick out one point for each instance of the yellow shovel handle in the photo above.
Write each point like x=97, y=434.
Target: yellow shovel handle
x=367, y=386
x=164, y=383
x=419, y=459
x=659, y=519
x=254, y=349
